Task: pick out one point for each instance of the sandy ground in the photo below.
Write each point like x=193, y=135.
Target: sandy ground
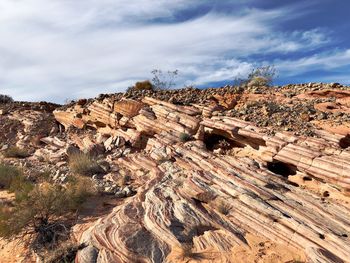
x=259, y=250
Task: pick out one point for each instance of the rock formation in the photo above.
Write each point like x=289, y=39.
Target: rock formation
x=210, y=175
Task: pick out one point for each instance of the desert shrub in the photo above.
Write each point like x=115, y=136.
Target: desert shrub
x=41, y=212
x=83, y=164
x=143, y=85
x=79, y=189
x=258, y=77
x=164, y=80
x=15, y=152
x=43, y=176
x=8, y=174
x=185, y=137
x=5, y=99
x=12, y=179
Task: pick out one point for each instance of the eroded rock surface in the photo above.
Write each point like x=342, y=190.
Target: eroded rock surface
x=217, y=178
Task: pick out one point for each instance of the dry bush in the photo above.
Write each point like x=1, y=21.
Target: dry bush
x=43, y=213
x=258, y=77
x=15, y=152
x=79, y=189
x=164, y=80
x=143, y=85
x=8, y=174
x=64, y=253
x=5, y=99
x=44, y=176
x=83, y=164
x=223, y=207
x=12, y=180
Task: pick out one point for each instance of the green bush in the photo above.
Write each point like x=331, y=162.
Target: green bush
x=12, y=179
x=8, y=174
x=15, y=152
x=41, y=212
x=185, y=137
x=83, y=164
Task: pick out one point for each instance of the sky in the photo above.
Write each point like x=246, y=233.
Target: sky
x=58, y=50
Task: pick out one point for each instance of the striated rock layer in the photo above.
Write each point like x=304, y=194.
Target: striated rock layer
x=209, y=181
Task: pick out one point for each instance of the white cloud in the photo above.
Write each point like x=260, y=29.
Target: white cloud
x=322, y=61
x=61, y=49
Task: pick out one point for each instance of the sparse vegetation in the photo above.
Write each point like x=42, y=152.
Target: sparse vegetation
x=223, y=207
x=164, y=80
x=41, y=212
x=15, y=152
x=258, y=77
x=185, y=137
x=83, y=164
x=64, y=253
x=5, y=99
x=143, y=85
x=8, y=174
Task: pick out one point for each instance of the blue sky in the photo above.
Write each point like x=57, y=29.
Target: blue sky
x=67, y=49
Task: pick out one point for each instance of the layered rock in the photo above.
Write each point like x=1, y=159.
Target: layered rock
x=209, y=198
x=226, y=173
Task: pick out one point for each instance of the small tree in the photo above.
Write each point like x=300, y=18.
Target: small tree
x=164, y=80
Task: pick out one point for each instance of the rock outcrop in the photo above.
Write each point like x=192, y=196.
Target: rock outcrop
x=229, y=179
x=222, y=175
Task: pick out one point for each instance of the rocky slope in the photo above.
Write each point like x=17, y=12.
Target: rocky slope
x=215, y=175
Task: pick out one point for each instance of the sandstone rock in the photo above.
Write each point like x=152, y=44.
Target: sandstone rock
x=88, y=254
x=235, y=178
x=128, y=108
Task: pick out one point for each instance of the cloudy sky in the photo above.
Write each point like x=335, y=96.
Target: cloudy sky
x=65, y=49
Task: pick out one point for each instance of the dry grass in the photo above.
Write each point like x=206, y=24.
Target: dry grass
x=64, y=253
x=83, y=164
x=15, y=152
x=223, y=207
